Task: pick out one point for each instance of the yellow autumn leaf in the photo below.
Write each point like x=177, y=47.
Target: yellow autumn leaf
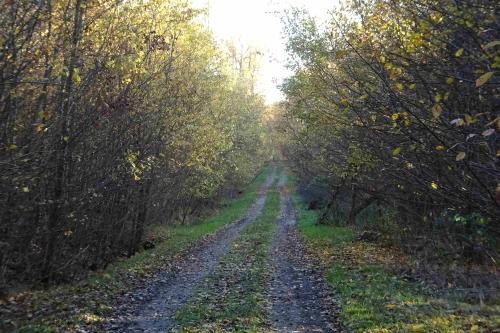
x=460, y=156
x=39, y=128
x=440, y=148
x=417, y=328
x=26, y=189
x=469, y=119
x=450, y=80
x=483, y=79
x=76, y=77
x=437, y=110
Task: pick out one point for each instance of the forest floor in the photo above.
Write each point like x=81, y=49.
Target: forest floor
x=251, y=274
x=153, y=306
x=262, y=264
x=375, y=296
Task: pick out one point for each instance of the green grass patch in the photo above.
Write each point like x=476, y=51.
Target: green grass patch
x=65, y=306
x=374, y=299
x=233, y=297
x=320, y=234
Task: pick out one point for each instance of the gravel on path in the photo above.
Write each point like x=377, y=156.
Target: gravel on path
x=301, y=299
x=152, y=307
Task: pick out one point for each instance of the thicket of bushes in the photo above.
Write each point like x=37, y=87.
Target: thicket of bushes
x=114, y=115
x=394, y=106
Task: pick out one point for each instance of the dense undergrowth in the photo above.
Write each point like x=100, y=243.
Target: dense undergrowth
x=114, y=116
x=393, y=106
x=375, y=297
x=83, y=303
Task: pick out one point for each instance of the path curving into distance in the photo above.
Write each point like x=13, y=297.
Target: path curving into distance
x=152, y=307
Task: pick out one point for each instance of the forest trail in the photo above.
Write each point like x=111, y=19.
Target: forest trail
x=297, y=297
x=301, y=299
x=152, y=308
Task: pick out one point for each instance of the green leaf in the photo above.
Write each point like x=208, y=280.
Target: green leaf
x=459, y=52
x=483, y=79
x=41, y=115
x=396, y=151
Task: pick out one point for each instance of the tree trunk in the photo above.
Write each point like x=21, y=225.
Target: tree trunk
x=61, y=151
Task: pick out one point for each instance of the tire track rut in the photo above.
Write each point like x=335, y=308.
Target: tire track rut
x=152, y=308
x=301, y=299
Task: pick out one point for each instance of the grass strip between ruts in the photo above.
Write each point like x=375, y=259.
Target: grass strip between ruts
x=233, y=297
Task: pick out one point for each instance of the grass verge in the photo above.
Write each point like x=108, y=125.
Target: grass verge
x=375, y=299
x=68, y=307
x=233, y=297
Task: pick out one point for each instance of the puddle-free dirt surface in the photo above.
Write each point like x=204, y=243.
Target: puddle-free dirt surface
x=152, y=307
x=301, y=299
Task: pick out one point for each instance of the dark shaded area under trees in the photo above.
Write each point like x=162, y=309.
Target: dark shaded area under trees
x=114, y=116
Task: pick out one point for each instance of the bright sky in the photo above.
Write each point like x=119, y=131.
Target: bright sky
x=257, y=23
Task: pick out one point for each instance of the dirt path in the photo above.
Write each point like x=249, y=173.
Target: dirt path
x=152, y=307
x=301, y=298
